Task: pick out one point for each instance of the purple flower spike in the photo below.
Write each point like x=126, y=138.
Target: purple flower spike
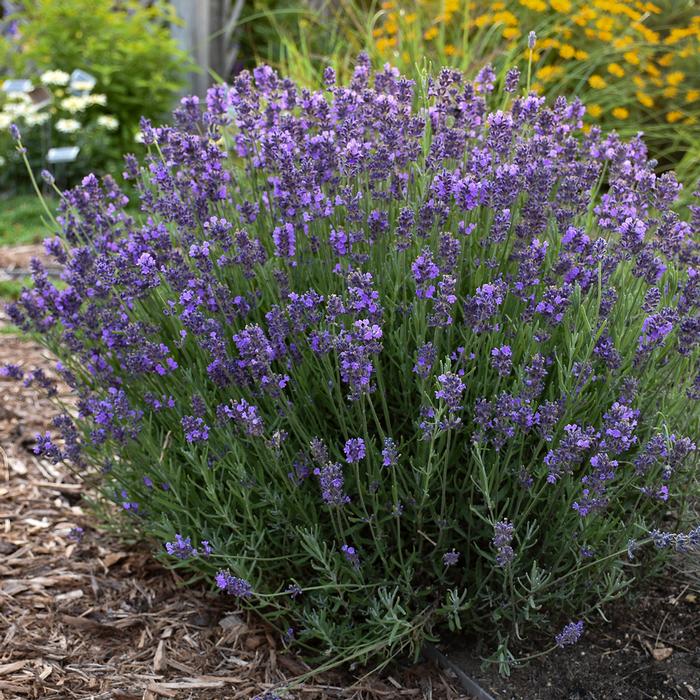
x=232, y=585
x=354, y=450
x=570, y=634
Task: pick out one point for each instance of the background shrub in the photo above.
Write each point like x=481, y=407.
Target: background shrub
x=378, y=361
x=127, y=45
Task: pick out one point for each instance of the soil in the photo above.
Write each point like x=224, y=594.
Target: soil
x=648, y=648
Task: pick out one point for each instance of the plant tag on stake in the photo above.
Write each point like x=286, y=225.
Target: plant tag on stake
x=18, y=85
x=65, y=154
x=81, y=83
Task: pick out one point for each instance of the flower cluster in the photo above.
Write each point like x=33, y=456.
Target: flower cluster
x=343, y=317
x=55, y=108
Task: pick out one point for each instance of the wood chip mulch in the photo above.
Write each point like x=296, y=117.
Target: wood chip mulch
x=98, y=618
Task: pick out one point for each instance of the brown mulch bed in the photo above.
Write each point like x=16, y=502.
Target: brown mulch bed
x=100, y=619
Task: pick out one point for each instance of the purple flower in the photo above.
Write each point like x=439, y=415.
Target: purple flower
x=11, y=371
x=424, y=361
x=451, y=558
x=181, y=548
x=512, y=80
x=531, y=40
x=76, y=534
x=451, y=388
x=483, y=306
x=294, y=590
x=390, y=454
x=424, y=271
x=331, y=481
x=502, y=538
x=354, y=450
x=285, y=241
x=502, y=360
x=196, y=430
x=570, y=634
x=351, y=555
x=232, y=585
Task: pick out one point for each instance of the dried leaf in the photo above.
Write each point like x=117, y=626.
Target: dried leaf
x=113, y=557
x=661, y=653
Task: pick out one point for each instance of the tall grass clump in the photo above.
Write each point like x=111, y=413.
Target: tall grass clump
x=385, y=359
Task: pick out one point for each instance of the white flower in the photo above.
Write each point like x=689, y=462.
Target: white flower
x=18, y=109
x=138, y=136
x=74, y=104
x=107, y=121
x=37, y=118
x=2, y=161
x=5, y=121
x=96, y=99
x=55, y=77
x=67, y=126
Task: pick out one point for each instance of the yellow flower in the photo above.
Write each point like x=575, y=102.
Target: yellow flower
x=537, y=88
x=594, y=110
x=507, y=18
x=616, y=69
x=534, y=5
x=430, y=33
x=605, y=24
x=391, y=28
x=692, y=95
x=563, y=6
x=581, y=55
x=388, y=5
x=674, y=116
x=410, y=18
x=550, y=43
x=623, y=42
x=597, y=82
x=620, y=113
x=632, y=58
x=650, y=7
x=652, y=70
x=567, y=51
x=385, y=43
x=497, y=6
x=645, y=99
x=639, y=81
x=548, y=72
x=675, y=78
x=670, y=92
x=605, y=36
x=450, y=50
x=511, y=33
x=376, y=33
x=482, y=21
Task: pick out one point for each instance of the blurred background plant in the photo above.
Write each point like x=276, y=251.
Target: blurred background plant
x=127, y=46
x=55, y=110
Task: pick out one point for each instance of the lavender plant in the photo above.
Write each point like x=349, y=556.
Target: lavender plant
x=378, y=361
